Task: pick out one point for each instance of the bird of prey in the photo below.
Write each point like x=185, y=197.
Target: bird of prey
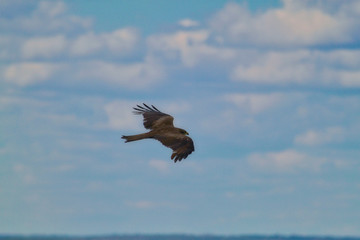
x=162, y=129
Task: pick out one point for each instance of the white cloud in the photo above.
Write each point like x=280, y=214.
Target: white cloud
x=51, y=9
x=285, y=161
x=292, y=25
x=255, y=103
x=86, y=44
x=189, y=47
x=304, y=67
x=11, y=102
x=27, y=73
x=178, y=44
x=119, y=42
x=350, y=78
x=139, y=75
x=177, y=107
x=160, y=165
x=133, y=76
x=188, y=23
x=278, y=67
x=344, y=58
x=328, y=135
x=120, y=116
x=44, y=46
x=48, y=16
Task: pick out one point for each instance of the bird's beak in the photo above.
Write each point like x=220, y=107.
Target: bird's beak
x=187, y=133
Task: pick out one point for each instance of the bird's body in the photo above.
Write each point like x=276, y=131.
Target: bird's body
x=162, y=129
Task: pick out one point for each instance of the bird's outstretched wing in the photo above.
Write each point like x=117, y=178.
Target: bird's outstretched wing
x=181, y=145
x=153, y=118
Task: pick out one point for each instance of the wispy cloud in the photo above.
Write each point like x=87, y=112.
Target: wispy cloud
x=328, y=135
x=117, y=43
x=285, y=161
x=25, y=173
x=188, y=47
x=188, y=23
x=301, y=67
x=47, y=17
x=121, y=117
x=293, y=25
x=44, y=46
x=160, y=165
x=28, y=73
x=256, y=102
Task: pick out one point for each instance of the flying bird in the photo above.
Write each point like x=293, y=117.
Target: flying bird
x=162, y=129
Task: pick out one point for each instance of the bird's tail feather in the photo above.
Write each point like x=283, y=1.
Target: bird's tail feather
x=136, y=137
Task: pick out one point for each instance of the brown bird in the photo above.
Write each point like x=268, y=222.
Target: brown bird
x=162, y=129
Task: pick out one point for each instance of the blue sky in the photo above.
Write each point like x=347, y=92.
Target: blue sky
x=268, y=90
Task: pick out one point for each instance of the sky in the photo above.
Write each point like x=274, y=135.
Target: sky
x=268, y=90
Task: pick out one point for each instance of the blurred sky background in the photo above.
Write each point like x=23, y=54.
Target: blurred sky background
x=268, y=90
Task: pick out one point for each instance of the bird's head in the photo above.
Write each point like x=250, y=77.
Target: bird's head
x=182, y=131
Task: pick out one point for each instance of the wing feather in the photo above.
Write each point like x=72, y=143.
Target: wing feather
x=181, y=145
x=153, y=118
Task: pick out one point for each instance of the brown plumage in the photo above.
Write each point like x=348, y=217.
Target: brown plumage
x=162, y=129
